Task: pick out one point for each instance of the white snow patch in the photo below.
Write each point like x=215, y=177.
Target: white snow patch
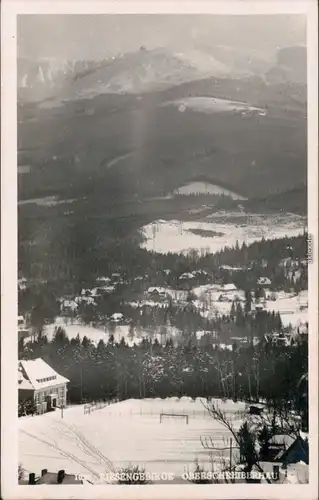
x=211, y=105
x=207, y=188
x=100, y=442
x=168, y=236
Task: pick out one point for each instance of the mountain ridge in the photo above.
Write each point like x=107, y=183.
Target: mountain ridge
x=151, y=70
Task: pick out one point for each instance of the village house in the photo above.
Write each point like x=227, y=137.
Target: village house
x=102, y=280
x=263, y=281
x=231, y=269
x=37, y=381
x=117, y=317
x=22, y=284
x=23, y=330
x=187, y=276
x=281, y=456
x=228, y=287
x=68, y=306
x=156, y=293
x=85, y=297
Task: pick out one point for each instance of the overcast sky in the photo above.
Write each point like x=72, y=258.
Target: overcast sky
x=97, y=36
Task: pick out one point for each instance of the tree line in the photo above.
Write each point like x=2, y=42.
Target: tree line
x=115, y=370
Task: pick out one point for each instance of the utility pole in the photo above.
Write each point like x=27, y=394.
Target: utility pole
x=81, y=385
x=249, y=386
x=230, y=453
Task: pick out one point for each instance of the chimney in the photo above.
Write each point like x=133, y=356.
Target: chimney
x=44, y=472
x=61, y=475
x=276, y=472
x=32, y=478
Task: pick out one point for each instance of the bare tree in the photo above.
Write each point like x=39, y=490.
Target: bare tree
x=245, y=439
x=20, y=472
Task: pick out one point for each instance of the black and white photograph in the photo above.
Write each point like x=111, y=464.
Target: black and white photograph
x=164, y=252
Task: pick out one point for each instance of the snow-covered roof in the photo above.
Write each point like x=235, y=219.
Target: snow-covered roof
x=226, y=347
x=281, y=439
x=107, y=288
x=40, y=374
x=70, y=304
x=231, y=268
x=201, y=333
x=263, y=281
x=84, y=298
x=228, y=287
x=117, y=316
x=154, y=289
x=186, y=276
x=23, y=382
x=103, y=279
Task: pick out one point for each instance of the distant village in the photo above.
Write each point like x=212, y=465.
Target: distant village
x=206, y=296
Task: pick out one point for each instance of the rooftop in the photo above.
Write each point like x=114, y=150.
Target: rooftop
x=37, y=374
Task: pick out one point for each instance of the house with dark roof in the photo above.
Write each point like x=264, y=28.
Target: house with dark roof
x=47, y=477
x=284, y=456
x=37, y=381
x=298, y=451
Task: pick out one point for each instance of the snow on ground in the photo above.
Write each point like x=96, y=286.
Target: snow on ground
x=47, y=201
x=119, y=331
x=176, y=236
x=124, y=433
x=118, y=159
x=211, y=105
x=94, y=334
x=288, y=305
x=293, y=308
x=207, y=188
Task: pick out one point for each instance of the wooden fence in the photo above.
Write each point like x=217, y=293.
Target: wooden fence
x=97, y=405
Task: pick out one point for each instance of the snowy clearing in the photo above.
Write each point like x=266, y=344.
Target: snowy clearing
x=293, y=308
x=119, y=332
x=47, y=201
x=207, y=188
x=176, y=236
x=124, y=433
x=212, y=105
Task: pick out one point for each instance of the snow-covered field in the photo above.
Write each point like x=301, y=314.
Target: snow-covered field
x=207, y=188
x=288, y=305
x=47, y=201
x=212, y=105
x=293, y=308
x=124, y=433
x=176, y=236
x=119, y=332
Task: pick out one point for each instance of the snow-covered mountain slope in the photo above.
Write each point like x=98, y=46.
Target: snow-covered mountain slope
x=142, y=71
x=151, y=70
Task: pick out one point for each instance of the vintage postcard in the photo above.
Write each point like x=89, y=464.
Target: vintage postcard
x=159, y=250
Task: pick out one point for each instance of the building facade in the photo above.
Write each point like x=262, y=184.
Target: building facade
x=38, y=381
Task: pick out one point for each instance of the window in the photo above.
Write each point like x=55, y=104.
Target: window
x=46, y=379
